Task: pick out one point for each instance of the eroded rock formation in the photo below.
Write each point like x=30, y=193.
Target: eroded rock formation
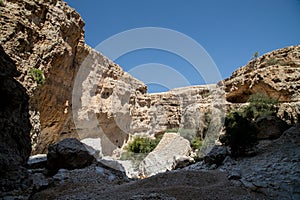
x=108, y=103
x=275, y=74
x=15, y=126
x=44, y=35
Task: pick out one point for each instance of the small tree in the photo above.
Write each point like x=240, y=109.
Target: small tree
x=241, y=134
x=255, y=56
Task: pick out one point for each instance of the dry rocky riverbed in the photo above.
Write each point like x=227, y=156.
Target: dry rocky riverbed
x=93, y=183
x=274, y=173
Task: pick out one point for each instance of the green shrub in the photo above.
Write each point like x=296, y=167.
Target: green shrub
x=260, y=105
x=1, y=3
x=138, y=149
x=37, y=75
x=196, y=143
x=255, y=55
x=142, y=144
x=240, y=134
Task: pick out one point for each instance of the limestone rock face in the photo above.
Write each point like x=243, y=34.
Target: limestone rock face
x=48, y=35
x=181, y=108
x=101, y=101
x=44, y=35
x=163, y=157
x=15, y=127
x=85, y=87
x=276, y=74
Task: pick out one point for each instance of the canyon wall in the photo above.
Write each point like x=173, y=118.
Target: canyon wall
x=275, y=74
x=44, y=35
x=15, y=146
x=87, y=95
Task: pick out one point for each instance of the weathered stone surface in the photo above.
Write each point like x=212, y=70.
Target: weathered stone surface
x=15, y=127
x=275, y=170
x=44, y=35
x=68, y=154
x=216, y=155
x=93, y=145
x=270, y=127
x=292, y=134
x=182, y=161
x=15, y=144
x=101, y=101
x=163, y=157
x=177, y=108
x=275, y=74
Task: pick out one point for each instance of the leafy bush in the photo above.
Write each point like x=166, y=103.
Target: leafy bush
x=143, y=144
x=37, y=75
x=196, y=143
x=1, y=3
x=241, y=134
x=260, y=105
x=138, y=149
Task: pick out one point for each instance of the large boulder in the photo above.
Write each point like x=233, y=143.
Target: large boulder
x=292, y=134
x=270, y=127
x=163, y=157
x=216, y=155
x=68, y=154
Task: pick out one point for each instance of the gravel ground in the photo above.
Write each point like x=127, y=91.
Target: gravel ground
x=274, y=173
x=192, y=184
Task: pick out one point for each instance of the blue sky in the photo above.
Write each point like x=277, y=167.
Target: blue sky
x=230, y=31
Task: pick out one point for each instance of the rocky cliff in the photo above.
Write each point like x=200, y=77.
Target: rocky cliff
x=85, y=87
x=15, y=127
x=44, y=35
x=48, y=36
x=275, y=74
x=107, y=102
